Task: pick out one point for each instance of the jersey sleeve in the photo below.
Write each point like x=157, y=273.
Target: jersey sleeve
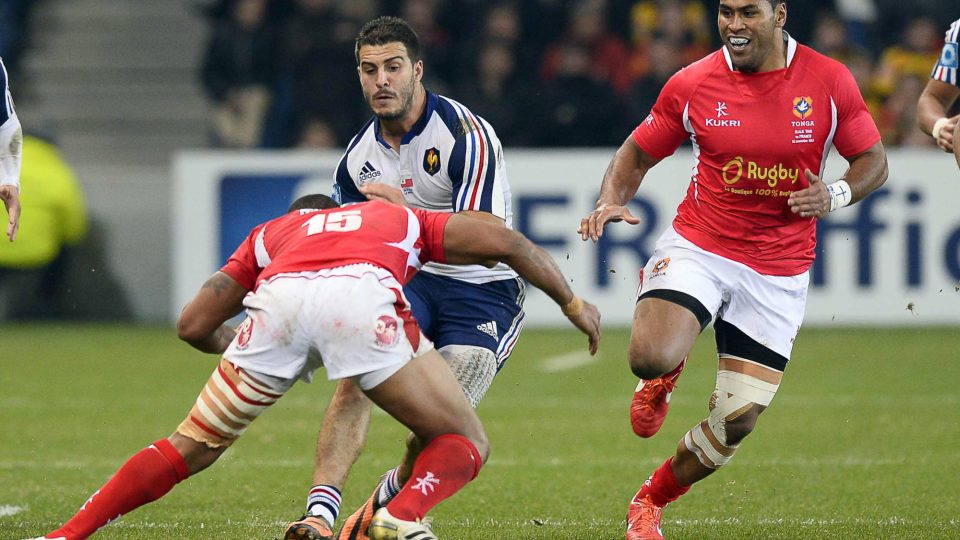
x=946, y=68
x=345, y=190
x=11, y=136
x=662, y=132
x=475, y=168
x=856, y=130
x=242, y=266
x=432, y=225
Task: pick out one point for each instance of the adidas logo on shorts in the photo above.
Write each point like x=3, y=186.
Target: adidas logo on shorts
x=490, y=329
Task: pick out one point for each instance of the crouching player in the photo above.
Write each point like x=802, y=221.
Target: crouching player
x=324, y=287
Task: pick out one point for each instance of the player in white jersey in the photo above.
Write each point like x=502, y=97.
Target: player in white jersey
x=11, y=141
x=426, y=151
x=941, y=93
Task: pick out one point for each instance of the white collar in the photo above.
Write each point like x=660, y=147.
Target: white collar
x=791, y=50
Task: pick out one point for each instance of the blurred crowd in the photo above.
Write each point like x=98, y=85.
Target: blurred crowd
x=281, y=73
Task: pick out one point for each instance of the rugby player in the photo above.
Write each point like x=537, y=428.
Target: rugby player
x=941, y=93
x=11, y=143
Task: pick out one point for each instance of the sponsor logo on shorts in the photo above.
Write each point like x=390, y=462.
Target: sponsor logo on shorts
x=490, y=329
x=244, y=331
x=660, y=266
x=386, y=331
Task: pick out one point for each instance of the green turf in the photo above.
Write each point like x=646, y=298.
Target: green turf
x=861, y=442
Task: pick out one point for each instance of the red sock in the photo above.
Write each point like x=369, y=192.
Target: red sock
x=662, y=486
x=447, y=464
x=145, y=477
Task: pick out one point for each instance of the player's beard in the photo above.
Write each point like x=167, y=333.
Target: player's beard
x=405, y=97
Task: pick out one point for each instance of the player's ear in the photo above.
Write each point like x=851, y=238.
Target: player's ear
x=418, y=70
x=781, y=15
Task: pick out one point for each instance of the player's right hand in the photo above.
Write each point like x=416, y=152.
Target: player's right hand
x=11, y=201
x=592, y=225
x=588, y=321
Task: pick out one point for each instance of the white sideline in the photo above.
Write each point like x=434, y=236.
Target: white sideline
x=568, y=361
x=10, y=510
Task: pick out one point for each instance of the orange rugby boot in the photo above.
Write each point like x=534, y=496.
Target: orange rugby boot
x=309, y=528
x=651, y=400
x=643, y=519
x=355, y=527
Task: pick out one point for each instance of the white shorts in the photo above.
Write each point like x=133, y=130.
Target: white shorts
x=768, y=309
x=352, y=320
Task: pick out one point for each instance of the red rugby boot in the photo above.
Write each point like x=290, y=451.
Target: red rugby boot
x=643, y=519
x=651, y=400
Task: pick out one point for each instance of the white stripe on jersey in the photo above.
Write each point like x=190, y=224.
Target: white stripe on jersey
x=696, y=149
x=260, y=250
x=829, y=141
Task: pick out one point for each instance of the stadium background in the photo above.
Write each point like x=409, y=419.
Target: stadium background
x=133, y=90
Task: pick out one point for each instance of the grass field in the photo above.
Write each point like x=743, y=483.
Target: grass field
x=863, y=441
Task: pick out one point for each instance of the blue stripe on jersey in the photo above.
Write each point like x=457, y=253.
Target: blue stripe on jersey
x=486, y=197
x=345, y=189
x=448, y=114
x=7, y=110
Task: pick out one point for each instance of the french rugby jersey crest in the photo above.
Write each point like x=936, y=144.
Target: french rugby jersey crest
x=450, y=161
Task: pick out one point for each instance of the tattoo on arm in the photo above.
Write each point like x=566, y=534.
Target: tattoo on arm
x=217, y=283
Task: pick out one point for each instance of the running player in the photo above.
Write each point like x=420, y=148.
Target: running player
x=11, y=142
x=426, y=151
x=941, y=93
x=326, y=290
x=761, y=114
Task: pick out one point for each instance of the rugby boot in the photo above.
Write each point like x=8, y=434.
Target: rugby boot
x=643, y=519
x=386, y=527
x=309, y=528
x=355, y=527
x=651, y=401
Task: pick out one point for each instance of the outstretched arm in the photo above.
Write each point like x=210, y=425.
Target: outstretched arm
x=621, y=181
x=471, y=241
x=932, y=109
x=201, y=323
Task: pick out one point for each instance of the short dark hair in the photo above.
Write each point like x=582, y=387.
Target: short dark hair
x=316, y=201
x=775, y=3
x=383, y=30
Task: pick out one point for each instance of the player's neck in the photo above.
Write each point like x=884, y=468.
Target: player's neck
x=393, y=131
x=777, y=59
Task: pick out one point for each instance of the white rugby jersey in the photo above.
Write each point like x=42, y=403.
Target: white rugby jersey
x=946, y=68
x=451, y=160
x=11, y=137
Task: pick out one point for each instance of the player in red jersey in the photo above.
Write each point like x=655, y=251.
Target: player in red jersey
x=761, y=114
x=324, y=287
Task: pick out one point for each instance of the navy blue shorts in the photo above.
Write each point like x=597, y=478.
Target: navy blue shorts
x=454, y=312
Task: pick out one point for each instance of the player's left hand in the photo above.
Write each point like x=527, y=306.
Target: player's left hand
x=384, y=193
x=588, y=321
x=11, y=201
x=945, y=140
x=812, y=201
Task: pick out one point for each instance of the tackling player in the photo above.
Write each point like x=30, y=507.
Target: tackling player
x=323, y=287
x=761, y=114
x=11, y=143
x=426, y=151
x=941, y=92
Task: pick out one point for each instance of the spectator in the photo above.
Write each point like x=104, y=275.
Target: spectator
x=918, y=49
x=238, y=71
x=587, y=30
x=664, y=60
x=580, y=109
x=32, y=269
x=494, y=93
x=317, y=135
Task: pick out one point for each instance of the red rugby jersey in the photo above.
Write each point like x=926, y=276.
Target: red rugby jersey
x=753, y=135
x=395, y=238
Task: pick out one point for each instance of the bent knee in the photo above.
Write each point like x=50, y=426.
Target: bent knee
x=649, y=360
x=738, y=428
